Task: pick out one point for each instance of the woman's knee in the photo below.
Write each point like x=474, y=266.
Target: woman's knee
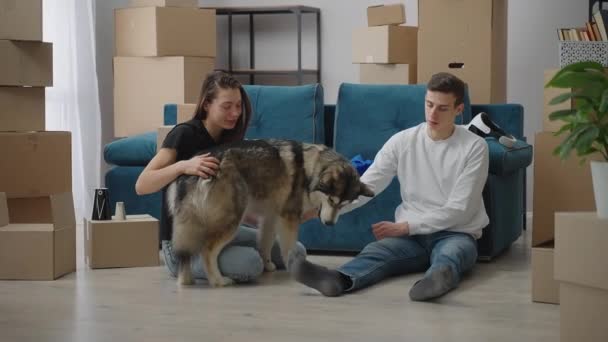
x=240, y=263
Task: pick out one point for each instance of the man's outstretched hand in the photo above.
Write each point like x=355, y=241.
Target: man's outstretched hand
x=385, y=229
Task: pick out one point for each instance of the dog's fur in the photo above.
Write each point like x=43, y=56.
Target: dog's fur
x=277, y=180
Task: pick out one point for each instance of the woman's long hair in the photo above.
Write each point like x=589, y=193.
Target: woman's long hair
x=215, y=81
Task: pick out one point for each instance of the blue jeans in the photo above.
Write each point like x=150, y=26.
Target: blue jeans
x=402, y=255
x=239, y=260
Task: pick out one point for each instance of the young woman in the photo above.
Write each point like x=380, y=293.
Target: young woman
x=222, y=116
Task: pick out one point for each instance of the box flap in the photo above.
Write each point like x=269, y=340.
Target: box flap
x=56, y=209
x=581, y=253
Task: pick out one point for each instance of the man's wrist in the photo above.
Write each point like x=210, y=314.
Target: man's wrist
x=405, y=227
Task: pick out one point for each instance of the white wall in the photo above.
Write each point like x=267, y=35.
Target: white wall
x=532, y=46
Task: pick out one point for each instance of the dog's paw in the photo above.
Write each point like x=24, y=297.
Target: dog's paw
x=185, y=280
x=220, y=282
x=269, y=266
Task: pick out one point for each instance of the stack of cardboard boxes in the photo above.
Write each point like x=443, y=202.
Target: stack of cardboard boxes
x=469, y=39
x=163, y=51
x=385, y=50
x=558, y=186
x=37, y=223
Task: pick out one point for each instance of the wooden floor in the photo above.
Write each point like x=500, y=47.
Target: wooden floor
x=144, y=304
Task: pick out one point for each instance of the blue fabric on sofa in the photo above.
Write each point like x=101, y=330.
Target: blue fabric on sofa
x=120, y=181
x=376, y=112
x=300, y=107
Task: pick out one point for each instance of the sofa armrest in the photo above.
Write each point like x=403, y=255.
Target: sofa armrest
x=136, y=150
x=505, y=160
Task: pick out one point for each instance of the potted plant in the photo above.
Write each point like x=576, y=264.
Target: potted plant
x=585, y=125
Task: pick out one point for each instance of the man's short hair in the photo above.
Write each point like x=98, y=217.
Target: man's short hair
x=444, y=82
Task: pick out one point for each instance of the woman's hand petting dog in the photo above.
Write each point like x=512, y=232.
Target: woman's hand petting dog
x=385, y=229
x=203, y=166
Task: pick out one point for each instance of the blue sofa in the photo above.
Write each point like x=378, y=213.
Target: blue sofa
x=363, y=118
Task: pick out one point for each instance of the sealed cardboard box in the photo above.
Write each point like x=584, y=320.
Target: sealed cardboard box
x=26, y=63
x=581, y=267
x=163, y=3
x=40, y=163
x=129, y=243
x=385, y=44
x=558, y=186
x=21, y=20
x=378, y=15
x=387, y=73
x=164, y=31
x=545, y=289
x=35, y=251
x=161, y=135
x=22, y=109
x=474, y=50
x=143, y=85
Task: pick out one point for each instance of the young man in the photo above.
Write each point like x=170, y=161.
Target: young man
x=442, y=169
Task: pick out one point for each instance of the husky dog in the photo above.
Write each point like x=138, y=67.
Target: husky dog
x=276, y=180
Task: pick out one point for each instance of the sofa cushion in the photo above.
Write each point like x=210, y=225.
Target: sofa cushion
x=287, y=112
x=136, y=150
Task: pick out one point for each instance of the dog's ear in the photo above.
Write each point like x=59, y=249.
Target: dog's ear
x=364, y=190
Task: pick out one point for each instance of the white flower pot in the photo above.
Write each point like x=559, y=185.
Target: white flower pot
x=599, y=175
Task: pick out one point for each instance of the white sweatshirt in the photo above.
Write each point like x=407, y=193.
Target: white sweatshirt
x=441, y=181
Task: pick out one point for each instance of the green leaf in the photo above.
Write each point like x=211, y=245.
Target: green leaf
x=577, y=67
x=585, y=139
x=568, y=144
x=562, y=98
x=581, y=80
x=604, y=102
x=560, y=114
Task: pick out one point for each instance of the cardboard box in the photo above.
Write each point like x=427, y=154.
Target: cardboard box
x=161, y=135
x=473, y=49
x=35, y=251
x=387, y=73
x=21, y=20
x=545, y=289
x=581, y=267
x=558, y=186
x=164, y=31
x=379, y=15
x=35, y=164
x=548, y=95
x=26, y=63
x=56, y=210
x=22, y=109
x=163, y=3
x=185, y=112
x=129, y=243
x=385, y=44
x=143, y=85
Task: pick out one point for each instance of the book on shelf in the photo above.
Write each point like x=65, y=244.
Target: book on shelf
x=593, y=31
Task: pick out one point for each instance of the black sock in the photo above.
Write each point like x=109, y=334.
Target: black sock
x=435, y=284
x=330, y=283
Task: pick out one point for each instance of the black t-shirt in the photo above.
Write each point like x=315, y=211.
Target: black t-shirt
x=187, y=139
